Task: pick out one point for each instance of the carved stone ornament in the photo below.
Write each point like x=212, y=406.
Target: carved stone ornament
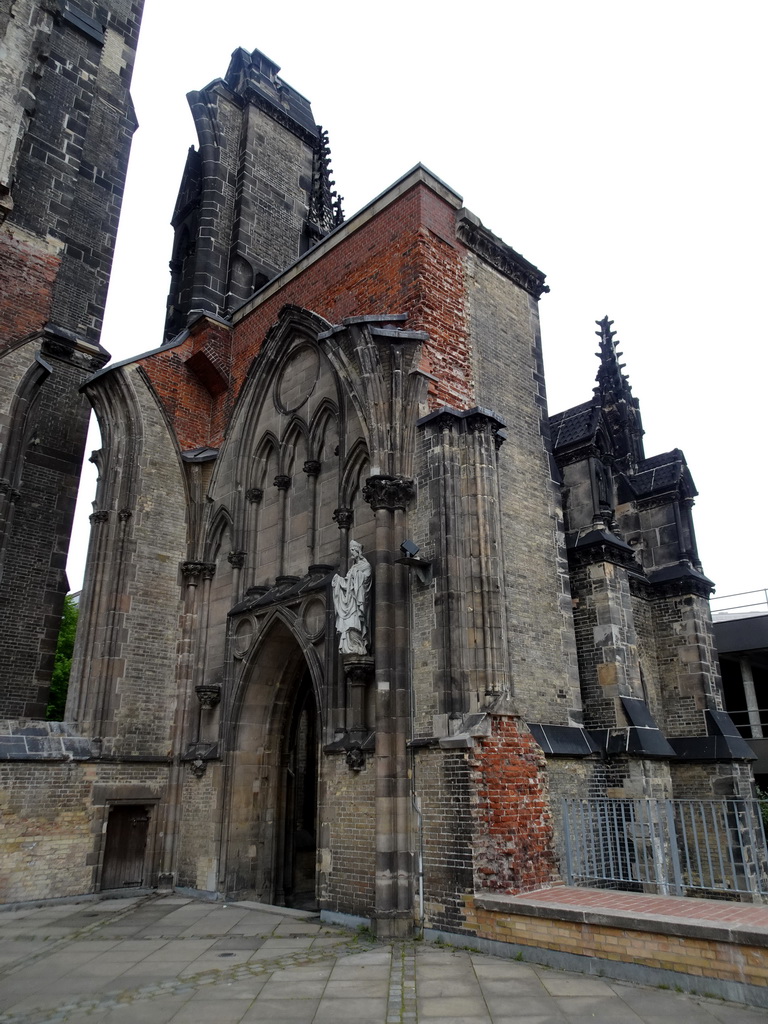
x=254, y=495
x=355, y=759
x=282, y=482
x=312, y=467
x=124, y=514
x=198, y=767
x=236, y=559
x=193, y=571
x=358, y=670
x=209, y=695
x=99, y=516
x=389, y=492
x=343, y=517
x=5, y=488
x=504, y=258
x=352, y=604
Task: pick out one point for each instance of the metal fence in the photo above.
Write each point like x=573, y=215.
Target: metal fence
x=678, y=847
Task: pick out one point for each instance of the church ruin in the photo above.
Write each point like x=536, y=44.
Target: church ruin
x=358, y=614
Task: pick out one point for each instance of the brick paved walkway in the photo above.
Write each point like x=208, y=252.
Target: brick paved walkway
x=646, y=906
x=171, y=960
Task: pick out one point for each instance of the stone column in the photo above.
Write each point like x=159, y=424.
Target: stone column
x=282, y=483
x=359, y=674
x=388, y=497
x=312, y=469
x=343, y=517
x=237, y=560
x=490, y=634
x=254, y=496
x=192, y=574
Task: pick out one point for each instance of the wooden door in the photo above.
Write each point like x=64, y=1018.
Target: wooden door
x=125, y=847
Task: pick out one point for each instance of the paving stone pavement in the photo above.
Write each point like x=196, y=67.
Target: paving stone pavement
x=171, y=960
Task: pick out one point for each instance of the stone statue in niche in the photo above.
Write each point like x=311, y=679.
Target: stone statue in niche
x=351, y=602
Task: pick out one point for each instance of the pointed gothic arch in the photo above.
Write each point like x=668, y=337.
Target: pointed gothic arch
x=273, y=737
x=355, y=465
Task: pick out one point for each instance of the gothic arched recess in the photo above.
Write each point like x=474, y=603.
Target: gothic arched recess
x=273, y=771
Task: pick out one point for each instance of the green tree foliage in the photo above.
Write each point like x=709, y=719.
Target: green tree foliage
x=57, y=698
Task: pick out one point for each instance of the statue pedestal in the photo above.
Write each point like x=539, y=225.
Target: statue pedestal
x=358, y=672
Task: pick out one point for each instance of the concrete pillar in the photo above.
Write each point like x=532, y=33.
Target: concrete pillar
x=753, y=708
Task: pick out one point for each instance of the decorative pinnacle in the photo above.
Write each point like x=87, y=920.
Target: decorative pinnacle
x=615, y=396
x=609, y=375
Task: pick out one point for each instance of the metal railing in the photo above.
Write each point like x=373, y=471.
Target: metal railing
x=752, y=723
x=748, y=602
x=677, y=847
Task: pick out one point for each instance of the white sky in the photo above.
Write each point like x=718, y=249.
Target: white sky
x=618, y=146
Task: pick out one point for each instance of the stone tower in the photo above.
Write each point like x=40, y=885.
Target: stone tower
x=66, y=123
x=254, y=196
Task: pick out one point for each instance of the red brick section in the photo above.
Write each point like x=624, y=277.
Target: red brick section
x=404, y=260
x=27, y=274
x=513, y=846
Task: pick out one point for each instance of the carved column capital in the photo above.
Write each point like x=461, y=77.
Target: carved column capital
x=236, y=559
x=343, y=517
x=282, y=482
x=358, y=670
x=389, y=492
x=312, y=467
x=209, y=695
x=254, y=495
x=99, y=516
x=193, y=572
x=124, y=514
x=5, y=488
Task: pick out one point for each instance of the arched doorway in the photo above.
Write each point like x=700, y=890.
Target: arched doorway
x=300, y=802
x=272, y=828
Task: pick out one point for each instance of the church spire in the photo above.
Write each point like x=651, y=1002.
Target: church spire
x=621, y=409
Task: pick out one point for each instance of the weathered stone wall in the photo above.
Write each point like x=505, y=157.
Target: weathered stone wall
x=643, y=616
x=346, y=848
x=703, y=781
x=509, y=374
x=66, y=123
x=606, y=641
x=124, y=678
x=46, y=840
x=200, y=813
x=688, y=665
x=54, y=819
x=443, y=781
x=70, y=164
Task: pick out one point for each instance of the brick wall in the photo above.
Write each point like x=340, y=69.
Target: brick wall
x=705, y=958
x=54, y=816
x=66, y=123
x=513, y=840
x=403, y=260
x=346, y=854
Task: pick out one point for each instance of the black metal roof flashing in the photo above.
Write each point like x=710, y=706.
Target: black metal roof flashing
x=563, y=740
x=201, y=454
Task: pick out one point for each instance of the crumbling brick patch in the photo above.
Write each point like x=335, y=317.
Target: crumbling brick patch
x=514, y=840
x=28, y=269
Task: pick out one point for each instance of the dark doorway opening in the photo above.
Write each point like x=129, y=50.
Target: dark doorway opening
x=299, y=877
x=125, y=847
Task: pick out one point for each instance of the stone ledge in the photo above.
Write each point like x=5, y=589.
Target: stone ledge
x=680, y=927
